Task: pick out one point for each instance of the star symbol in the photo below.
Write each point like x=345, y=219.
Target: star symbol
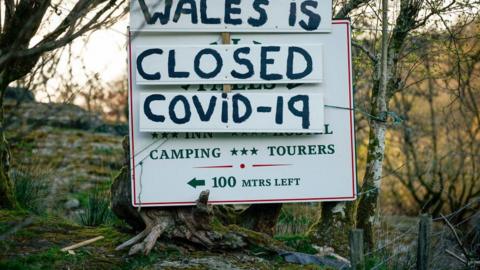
x=254, y=151
x=165, y=135
x=175, y=135
x=244, y=151
x=154, y=135
x=234, y=152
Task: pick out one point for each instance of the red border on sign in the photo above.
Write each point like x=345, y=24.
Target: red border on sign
x=352, y=141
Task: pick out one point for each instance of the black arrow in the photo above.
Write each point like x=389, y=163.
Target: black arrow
x=195, y=183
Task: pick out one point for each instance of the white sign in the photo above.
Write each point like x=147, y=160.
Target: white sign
x=237, y=112
x=173, y=168
x=231, y=15
x=228, y=64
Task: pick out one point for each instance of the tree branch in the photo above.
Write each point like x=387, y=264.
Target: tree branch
x=349, y=7
x=50, y=42
x=464, y=250
x=364, y=49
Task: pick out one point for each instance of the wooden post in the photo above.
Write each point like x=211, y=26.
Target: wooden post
x=226, y=40
x=423, y=248
x=356, y=249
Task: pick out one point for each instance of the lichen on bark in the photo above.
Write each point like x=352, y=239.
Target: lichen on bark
x=331, y=229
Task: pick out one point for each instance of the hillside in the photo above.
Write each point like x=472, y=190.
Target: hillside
x=75, y=150
x=63, y=162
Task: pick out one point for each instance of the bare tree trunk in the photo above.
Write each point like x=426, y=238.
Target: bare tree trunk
x=337, y=218
x=193, y=225
x=261, y=217
x=376, y=145
x=331, y=230
x=7, y=198
x=386, y=84
x=371, y=182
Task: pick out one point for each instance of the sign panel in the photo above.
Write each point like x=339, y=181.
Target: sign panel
x=228, y=64
x=231, y=15
x=172, y=168
x=238, y=112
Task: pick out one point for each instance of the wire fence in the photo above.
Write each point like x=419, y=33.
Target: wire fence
x=401, y=249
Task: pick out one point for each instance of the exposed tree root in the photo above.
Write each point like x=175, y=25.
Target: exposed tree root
x=194, y=225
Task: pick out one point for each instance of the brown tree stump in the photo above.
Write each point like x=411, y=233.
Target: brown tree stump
x=261, y=217
x=195, y=225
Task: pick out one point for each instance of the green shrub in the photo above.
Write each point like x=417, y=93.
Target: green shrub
x=299, y=243
x=31, y=188
x=97, y=209
x=295, y=219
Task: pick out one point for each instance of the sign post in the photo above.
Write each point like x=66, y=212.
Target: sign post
x=226, y=40
x=282, y=138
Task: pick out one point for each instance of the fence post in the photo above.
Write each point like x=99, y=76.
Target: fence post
x=356, y=249
x=423, y=247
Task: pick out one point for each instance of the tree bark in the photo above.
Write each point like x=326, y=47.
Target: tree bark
x=261, y=218
x=7, y=197
x=337, y=219
x=376, y=144
x=121, y=193
x=194, y=225
x=371, y=182
x=387, y=83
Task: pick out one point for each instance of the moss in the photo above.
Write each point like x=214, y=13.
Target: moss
x=98, y=170
x=38, y=245
x=107, y=151
x=141, y=262
x=302, y=267
x=299, y=243
x=50, y=259
x=333, y=227
x=218, y=226
x=7, y=197
x=9, y=218
x=259, y=238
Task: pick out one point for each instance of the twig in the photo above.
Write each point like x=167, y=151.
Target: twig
x=17, y=227
x=81, y=244
x=456, y=256
x=364, y=49
x=464, y=250
x=459, y=210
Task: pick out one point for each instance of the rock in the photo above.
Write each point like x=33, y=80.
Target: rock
x=332, y=260
x=19, y=94
x=71, y=204
x=213, y=263
x=76, y=149
x=24, y=112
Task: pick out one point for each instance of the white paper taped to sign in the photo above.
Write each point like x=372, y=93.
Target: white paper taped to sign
x=231, y=15
x=239, y=112
x=228, y=64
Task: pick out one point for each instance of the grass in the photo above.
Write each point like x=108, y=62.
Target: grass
x=52, y=258
x=299, y=243
x=38, y=245
x=390, y=261
x=31, y=188
x=97, y=209
x=296, y=219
